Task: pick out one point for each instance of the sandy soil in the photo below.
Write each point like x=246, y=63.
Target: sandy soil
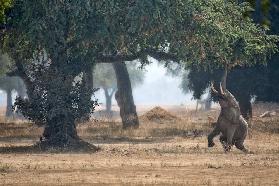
x=143, y=157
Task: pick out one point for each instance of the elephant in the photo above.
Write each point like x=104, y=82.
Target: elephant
x=230, y=123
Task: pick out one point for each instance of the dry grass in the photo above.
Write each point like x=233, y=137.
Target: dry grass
x=171, y=153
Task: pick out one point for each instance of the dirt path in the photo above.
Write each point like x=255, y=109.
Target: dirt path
x=179, y=161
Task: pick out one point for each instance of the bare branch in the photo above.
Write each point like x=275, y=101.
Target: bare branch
x=224, y=78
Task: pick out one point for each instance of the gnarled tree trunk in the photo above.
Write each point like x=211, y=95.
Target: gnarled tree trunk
x=124, y=97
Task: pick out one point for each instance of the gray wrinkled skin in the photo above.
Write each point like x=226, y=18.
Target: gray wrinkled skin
x=230, y=123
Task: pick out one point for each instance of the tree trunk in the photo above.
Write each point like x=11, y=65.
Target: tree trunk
x=9, y=107
x=60, y=129
x=124, y=97
x=224, y=78
x=108, y=100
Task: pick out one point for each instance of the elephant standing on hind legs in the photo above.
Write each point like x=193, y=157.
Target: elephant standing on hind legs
x=230, y=123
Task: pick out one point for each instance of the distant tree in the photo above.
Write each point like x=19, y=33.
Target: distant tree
x=10, y=84
x=124, y=96
x=104, y=77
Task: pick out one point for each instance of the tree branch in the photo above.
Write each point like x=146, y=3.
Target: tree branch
x=159, y=55
x=224, y=78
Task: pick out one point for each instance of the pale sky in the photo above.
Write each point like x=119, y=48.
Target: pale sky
x=158, y=88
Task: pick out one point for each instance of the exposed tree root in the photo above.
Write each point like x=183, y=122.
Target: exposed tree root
x=65, y=145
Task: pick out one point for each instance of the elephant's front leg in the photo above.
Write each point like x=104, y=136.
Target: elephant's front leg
x=216, y=131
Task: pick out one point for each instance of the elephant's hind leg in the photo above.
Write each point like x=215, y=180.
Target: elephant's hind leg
x=216, y=131
x=240, y=146
x=230, y=134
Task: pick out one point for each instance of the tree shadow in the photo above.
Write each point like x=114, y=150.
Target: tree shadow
x=104, y=139
x=43, y=148
x=156, y=135
x=20, y=149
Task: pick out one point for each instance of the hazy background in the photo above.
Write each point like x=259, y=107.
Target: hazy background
x=158, y=88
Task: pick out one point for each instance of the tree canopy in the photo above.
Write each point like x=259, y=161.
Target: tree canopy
x=200, y=32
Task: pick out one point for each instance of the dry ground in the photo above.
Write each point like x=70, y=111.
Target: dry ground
x=171, y=153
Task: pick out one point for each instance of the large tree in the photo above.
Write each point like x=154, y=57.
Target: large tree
x=49, y=43
x=53, y=42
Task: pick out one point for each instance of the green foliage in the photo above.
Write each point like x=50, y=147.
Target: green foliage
x=48, y=43
x=232, y=40
x=55, y=100
x=4, y=4
x=255, y=81
x=209, y=33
